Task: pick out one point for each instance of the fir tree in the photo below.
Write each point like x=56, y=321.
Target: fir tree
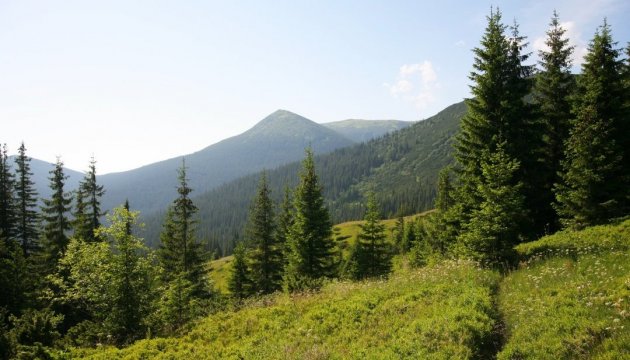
x=497, y=112
x=26, y=196
x=311, y=254
x=373, y=252
x=399, y=233
x=54, y=214
x=595, y=175
x=81, y=224
x=131, y=276
x=553, y=89
x=180, y=253
x=494, y=227
x=91, y=194
x=265, y=253
x=239, y=283
x=445, y=190
x=7, y=201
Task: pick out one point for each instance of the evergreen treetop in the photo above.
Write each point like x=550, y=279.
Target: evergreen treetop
x=311, y=255
x=26, y=197
x=595, y=173
x=265, y=252
x=54, y=214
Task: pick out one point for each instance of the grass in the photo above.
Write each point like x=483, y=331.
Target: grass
x=570, y=298
x=220, y=272
x=439, y=312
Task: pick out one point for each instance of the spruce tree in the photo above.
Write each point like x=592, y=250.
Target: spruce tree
x=445, y=190
x=595, y=185
x=54, y=215
x=91, y=194
x=497, y=112
x=311, y=253
x=131, y=289
x=399, y=233
x=180, y=253
x=494, y=227
x=81, y=224
x=239, y=283
x=553, y=89
x=26, y=199
x=265, y=252
x=373, y=252
x=7, y=201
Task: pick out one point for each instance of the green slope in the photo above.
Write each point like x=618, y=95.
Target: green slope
x=568, y=299
x=439, y=312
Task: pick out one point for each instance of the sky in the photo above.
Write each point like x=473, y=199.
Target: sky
x=134, y=82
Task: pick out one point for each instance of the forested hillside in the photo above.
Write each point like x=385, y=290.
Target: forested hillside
x=400, y=167
x=365, y=130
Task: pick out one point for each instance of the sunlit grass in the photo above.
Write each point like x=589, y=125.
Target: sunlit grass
x=571, y=297
x=443, y=311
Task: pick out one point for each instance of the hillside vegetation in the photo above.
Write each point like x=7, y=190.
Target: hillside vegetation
x=344, y=234
x=440, y=312
x=569, y=298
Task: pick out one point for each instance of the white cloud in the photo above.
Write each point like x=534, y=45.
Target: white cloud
x=575, y=39
x=460, y=43
x=416, y=83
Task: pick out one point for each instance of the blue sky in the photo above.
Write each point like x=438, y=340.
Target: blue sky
x=133, y=82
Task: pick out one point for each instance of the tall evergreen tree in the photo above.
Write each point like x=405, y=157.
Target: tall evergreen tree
x=553, y=88
x=239, y=283
x=7, y=200
x=91, y=194
x=399, y=233
x=265, y=252
x=26, y=199
x=373, y=252
x=494, y=227
x=311, y=253
x=180, y=253
x=131, y=289
x=54, y=214
x=497, y=112
x=595, y=173
x=81, y=224
x=444, y=199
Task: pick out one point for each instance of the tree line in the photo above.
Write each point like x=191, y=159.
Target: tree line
x=68, y=280
x=538, y=151
x=294, y=248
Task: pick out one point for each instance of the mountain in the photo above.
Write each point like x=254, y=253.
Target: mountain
x=41, y=172
x=401, y=167
x=365, y=130
x=278, y=139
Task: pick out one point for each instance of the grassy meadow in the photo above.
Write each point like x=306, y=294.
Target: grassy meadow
x=569, y=298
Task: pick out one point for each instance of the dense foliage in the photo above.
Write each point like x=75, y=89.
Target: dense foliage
x=438, y=312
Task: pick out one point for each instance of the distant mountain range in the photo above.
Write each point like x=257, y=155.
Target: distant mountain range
x=278, y=139
x=365, y=130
